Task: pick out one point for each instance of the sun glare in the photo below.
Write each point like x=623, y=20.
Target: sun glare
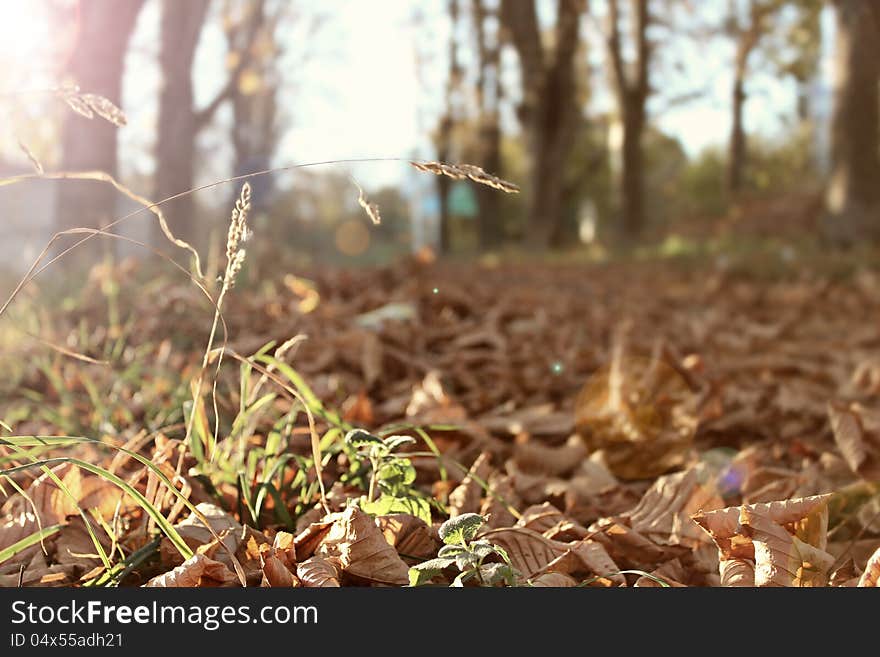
x=25, y=36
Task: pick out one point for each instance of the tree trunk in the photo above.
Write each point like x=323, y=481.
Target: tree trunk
x=548, y=110
x=631, y=89
x=489, y=92
x=178, y=123
x=255, y=127
x=632, y=176
x=488, y=200
x=737, y=147
x=96, y=64
x=853, y=194
x=445, y=129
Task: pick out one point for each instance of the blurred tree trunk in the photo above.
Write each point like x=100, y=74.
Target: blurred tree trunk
x=853, y=194
x=446, y=127
x=96, y=65
x=632, y=89
x=255, y=102
x=489, y=92
x=181, y=25
x=179, y=121
x=747, y=38
x=549, y=109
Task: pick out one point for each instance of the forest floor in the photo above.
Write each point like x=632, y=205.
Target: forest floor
x=640, y=423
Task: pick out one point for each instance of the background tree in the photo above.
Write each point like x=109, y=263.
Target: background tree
x=488, y=97
x=548, y=111
x=179, y=121
x=853, y=193
x=787, y=36
x=96, y=64
x=746, y=33
x=631, y=88
x=255, y=127
x=445, y=129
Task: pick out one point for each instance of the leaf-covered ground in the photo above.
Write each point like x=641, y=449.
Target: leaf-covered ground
x=618, y=424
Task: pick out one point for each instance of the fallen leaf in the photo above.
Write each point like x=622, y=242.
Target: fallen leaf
x=871, y=576
x=359, y=544
x=410, y=536
x=774, y=538
x=860, y=448
x=320, y=572
x=197, y=571
x=467, y=496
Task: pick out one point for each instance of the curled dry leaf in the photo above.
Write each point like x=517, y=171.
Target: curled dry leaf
x=278, y=562
x=409, y=535
x=626, y=545
x=495, y=506
x=532, y=554
x=540, y=517
x=466, y=497
x=320, y=572
x=308, y=539
x=785, y=541
x=871, y=576
x=641, y=413
x=533, y=457
x=197, y=571
x=359, y=544
x=588, y=558
x=554, y=580
x=197, y=534
x=671, y=573
x=859, y=446
x=664, y=512
x=74, y=546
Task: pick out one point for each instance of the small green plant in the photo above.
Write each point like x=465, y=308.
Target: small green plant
x=391, y=476
x=468, y=554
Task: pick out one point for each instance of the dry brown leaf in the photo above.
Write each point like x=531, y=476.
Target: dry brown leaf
x=320, y=572
x=15, y=527
x=308, y=539
x=859, y=447
x=664, y=512
x=54, y=575
x=672, y=573
x=197, y=571
x=528, y=550
x=278, y=562
x=626, y=545
x=540, y=517
x=640, y=412
x=871, y=576
x=554, y=580
x=54, y=505
x=74, y=546
x=467, y=496
x=774, y=538
x=495, y=506
x=588, y=558
x=737, y=572
x=532, y=554
x=358, y=543
x=533, y=457
x=410, y=536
